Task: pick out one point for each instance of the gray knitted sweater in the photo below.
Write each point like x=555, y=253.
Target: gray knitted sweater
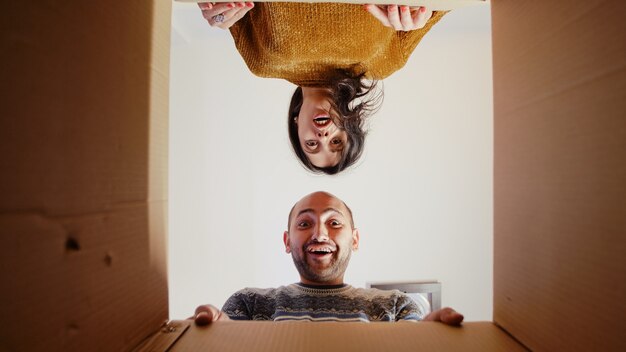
x=299, y=302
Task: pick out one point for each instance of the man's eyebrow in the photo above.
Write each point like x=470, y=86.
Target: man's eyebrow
x=310, y=210
x=332, y=210
x=307, y=210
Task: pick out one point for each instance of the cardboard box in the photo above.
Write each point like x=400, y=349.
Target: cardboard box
x=345, y=337
x=83, y=178
x=435, y=5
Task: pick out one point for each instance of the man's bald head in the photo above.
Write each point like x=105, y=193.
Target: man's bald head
x=317, y=196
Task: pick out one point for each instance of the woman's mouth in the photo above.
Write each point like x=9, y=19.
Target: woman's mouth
x=321, y=121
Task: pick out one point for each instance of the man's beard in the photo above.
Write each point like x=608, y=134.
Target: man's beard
x=334, y=270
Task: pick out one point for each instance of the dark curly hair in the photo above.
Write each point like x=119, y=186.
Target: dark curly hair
x=352, y=101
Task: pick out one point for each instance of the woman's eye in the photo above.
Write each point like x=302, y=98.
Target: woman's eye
x=336, y=141
x=311, y=144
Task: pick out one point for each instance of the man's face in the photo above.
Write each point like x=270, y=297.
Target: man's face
x=321, y=238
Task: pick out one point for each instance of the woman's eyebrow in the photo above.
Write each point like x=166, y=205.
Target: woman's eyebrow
x=337, y=149
x=308, y=149
x=311, y=152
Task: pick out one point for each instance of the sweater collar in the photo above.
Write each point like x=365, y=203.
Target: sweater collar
x=322, y=287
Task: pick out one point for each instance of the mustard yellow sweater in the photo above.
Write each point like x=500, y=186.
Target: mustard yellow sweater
x=307, y=43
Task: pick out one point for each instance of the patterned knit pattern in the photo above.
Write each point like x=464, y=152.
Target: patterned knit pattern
x=296, y=302
x=306, y=43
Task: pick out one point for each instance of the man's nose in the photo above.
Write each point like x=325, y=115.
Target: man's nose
x=320, y=234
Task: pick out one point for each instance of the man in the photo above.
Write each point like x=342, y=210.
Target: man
x=320, y=238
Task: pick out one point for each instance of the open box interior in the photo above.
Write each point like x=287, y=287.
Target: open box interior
x=83, y=217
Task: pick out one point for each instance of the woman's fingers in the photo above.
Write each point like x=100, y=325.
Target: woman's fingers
x=215, y=10
x=220, y=13
x=405, y=18
x=224, y=15
x=237, y=16
x=420, y=17
x=400, y=18
x=394, y=17
x=379, y=14
x=205, y=5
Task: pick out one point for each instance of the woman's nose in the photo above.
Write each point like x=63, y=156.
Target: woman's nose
x=320, y=134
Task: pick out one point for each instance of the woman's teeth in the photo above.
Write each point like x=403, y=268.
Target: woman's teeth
x=321, y=121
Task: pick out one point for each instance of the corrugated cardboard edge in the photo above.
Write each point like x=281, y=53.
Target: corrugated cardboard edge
x=258, y=336
x=435, y=5
x=560, y=166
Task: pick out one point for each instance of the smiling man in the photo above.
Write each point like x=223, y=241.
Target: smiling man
x=321, y=238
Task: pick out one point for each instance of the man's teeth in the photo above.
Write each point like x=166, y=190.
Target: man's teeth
x=320, y=250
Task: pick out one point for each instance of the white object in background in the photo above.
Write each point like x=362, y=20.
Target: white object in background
x=427, y=294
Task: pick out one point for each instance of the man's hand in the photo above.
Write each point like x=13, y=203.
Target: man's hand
x=207, y=314
x=445, y=315
x=400, y=18
x=223, y=15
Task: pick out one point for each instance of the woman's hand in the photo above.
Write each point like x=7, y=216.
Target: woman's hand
x=224, y=14
x=400, y=18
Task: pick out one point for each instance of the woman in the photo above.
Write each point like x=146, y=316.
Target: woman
x=334, y=54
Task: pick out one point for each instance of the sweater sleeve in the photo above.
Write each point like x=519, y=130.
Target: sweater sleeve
x=410, y=39
x=236, y=307
x=408, y=310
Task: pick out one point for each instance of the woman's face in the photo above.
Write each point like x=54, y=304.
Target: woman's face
x=322, y=141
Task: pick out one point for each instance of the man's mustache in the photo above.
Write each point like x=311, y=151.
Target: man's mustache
x=314, y=244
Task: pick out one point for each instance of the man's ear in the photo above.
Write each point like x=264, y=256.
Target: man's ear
x=286, y=241
x=355, y=239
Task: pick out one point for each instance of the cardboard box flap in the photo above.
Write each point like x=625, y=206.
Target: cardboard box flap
x=83, y=174
x=346, y=337
x=560, y=173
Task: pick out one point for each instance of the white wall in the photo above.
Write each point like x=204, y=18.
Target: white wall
x=421, y=196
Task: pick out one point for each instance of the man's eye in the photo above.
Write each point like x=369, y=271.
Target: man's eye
x=311, y=144
x=335, y=223
x=303, y=224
